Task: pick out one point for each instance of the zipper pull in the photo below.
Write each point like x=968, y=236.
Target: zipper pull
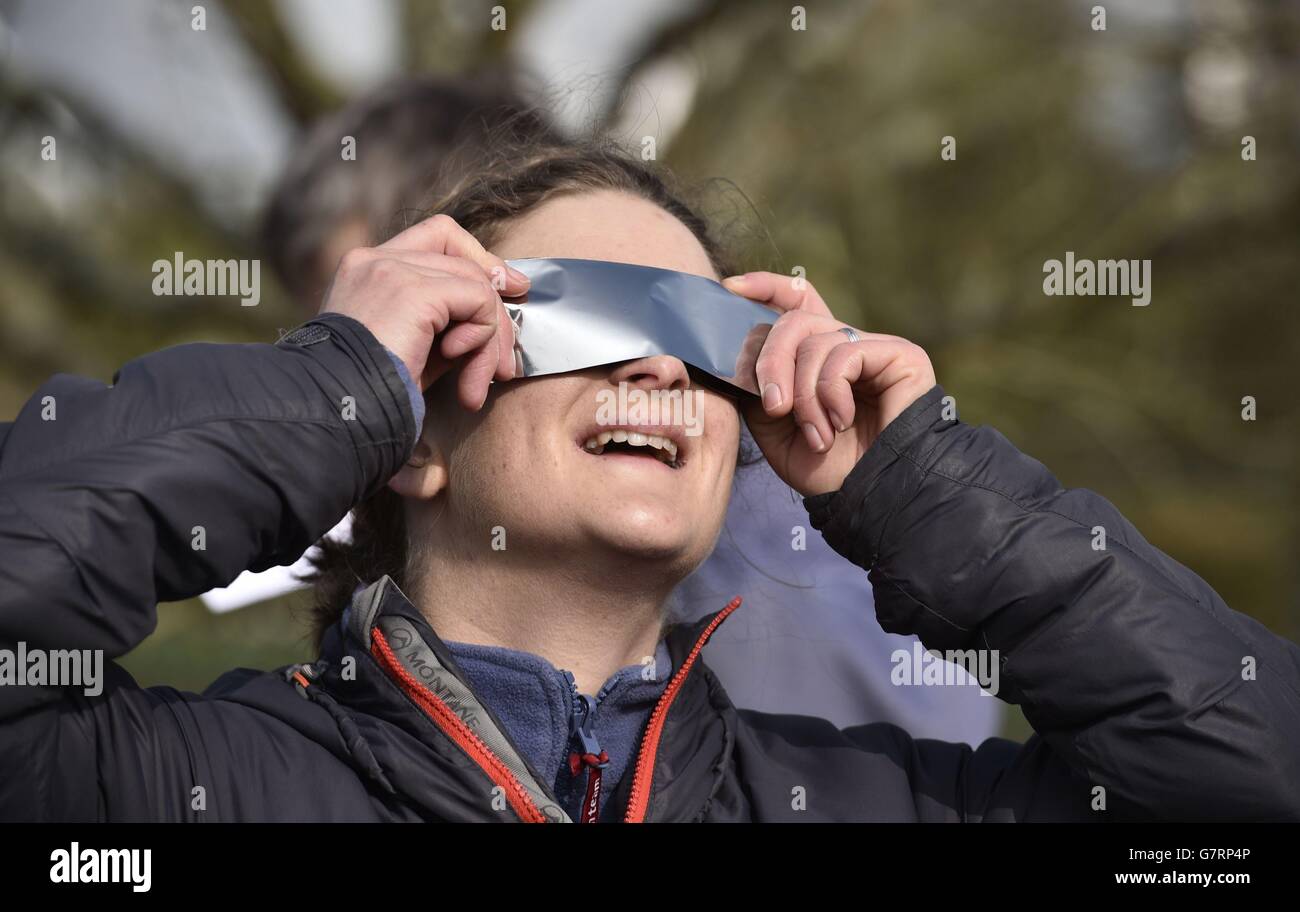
x=588, y=754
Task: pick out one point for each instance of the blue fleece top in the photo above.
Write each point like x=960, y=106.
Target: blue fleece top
x=534, y=701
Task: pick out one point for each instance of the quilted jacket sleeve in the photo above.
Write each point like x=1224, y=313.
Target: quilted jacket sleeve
x=1136, y=676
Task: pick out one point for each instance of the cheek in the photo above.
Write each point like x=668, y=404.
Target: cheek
x=498, y=453
x=722, y=424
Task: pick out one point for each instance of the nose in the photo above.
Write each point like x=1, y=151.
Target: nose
x=655, y=372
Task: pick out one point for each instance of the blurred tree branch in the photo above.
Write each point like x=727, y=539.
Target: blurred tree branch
x=305, y=93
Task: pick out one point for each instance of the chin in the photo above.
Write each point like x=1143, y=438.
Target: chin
x=649, y=533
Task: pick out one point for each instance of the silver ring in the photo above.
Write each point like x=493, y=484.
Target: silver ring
x=848, y=331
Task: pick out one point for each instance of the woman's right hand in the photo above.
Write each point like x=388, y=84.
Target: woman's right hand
x=434, y=282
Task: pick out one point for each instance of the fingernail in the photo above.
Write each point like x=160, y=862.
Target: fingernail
x=516, y=274
x=814, y=439
x=771, y=396
x=836, y=421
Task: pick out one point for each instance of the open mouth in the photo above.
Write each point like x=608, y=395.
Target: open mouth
x=648, y=446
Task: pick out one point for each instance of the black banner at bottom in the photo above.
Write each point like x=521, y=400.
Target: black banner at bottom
x=267, y=862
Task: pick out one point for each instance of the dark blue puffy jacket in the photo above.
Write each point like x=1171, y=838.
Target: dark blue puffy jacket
x=1128, y=665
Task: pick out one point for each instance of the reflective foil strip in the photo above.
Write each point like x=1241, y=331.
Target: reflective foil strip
x=587, y=313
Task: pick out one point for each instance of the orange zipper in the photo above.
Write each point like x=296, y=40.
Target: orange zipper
x=638, y=801
x=522, y=803
x=456, y=729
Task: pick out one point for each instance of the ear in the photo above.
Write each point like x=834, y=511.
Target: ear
x=425, y=474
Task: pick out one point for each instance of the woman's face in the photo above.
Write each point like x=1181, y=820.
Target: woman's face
x=524, y=463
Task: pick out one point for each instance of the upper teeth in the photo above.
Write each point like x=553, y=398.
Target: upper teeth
x=597, y=443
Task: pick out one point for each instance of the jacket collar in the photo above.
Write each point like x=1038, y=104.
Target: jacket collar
x=443, y=749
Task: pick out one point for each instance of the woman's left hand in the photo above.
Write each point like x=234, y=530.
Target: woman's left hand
x=825, y=397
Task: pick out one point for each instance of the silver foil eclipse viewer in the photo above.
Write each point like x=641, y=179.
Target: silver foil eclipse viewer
x=586, y=313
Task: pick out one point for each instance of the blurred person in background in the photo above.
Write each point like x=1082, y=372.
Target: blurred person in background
x=381, y=159
x=828, y=657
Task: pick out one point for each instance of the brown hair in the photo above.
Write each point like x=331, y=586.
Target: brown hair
x=517, y=176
